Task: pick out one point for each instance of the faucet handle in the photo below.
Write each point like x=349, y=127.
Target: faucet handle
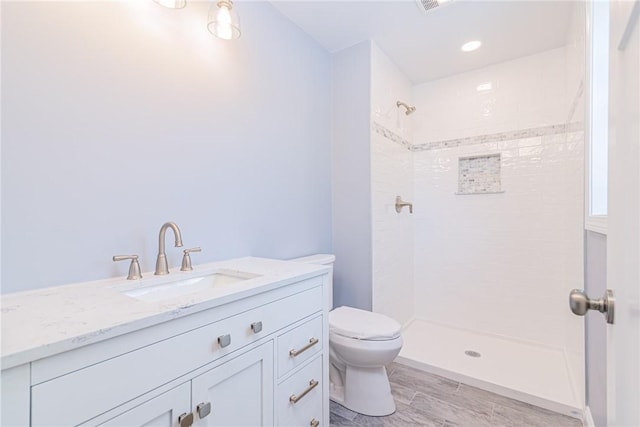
x=134, y=267
x=186, y=258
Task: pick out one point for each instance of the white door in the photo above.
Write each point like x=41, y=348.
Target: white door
x=238, y=392
x=623, y=239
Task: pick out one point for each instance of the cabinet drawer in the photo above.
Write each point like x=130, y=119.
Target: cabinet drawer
x=308, y=407
x=299, y=345
x=85, y=393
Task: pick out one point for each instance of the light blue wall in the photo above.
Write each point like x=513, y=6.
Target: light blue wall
x=119, y=116
x=351, y=176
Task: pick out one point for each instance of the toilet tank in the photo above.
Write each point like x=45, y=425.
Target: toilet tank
x=322, y=259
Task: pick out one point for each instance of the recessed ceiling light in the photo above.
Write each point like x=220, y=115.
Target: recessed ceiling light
x=484, y=87
x=471, y=46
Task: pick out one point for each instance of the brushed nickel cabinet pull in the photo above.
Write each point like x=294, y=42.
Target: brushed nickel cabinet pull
x=256, y=327
x=224, y=340
x=203, y=409
x=314, y=423
x=312, y=342
x=312, y=384
x=186, y=420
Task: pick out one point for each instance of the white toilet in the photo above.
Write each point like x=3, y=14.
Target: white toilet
x=361, y=343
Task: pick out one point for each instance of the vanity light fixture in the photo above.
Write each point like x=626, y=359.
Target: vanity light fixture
x=471, y=46
x=223, y=20
x=172, y=4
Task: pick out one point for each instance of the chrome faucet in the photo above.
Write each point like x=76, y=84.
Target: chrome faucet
x=401, y=203
x=161, y=263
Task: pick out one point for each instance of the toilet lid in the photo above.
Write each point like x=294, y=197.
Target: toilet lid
x=363, y=325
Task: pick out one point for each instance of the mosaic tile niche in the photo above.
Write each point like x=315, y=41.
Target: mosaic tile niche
x=479, y=174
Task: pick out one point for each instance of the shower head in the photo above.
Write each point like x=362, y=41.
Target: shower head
x=410, y=108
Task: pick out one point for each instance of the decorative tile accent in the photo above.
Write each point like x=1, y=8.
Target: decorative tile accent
x=479, y=174
x=480, y=139
x=501, y=136
x=381, y=130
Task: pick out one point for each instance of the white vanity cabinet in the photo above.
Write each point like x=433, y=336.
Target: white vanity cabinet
x=237, y=393
x=256, y=361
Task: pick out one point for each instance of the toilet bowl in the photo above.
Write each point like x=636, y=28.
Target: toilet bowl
x=361, y=343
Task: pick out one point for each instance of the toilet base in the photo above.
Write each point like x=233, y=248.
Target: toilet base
x=367, y=391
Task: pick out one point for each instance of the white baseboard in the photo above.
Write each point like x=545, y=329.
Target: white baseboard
x=587, y=418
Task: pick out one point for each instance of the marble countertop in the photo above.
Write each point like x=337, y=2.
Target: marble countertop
x=43, y=322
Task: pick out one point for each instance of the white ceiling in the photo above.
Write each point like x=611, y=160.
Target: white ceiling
x=426, y=45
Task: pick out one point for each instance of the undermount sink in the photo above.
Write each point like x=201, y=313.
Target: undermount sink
x=188, y=286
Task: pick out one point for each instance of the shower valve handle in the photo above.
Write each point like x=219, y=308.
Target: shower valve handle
x=401, y=203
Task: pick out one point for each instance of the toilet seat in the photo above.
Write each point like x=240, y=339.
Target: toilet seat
x=359, y=324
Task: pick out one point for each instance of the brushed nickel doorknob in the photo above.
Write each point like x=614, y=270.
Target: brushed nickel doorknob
x=580, y=303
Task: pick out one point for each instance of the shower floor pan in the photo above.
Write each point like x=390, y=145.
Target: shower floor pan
x=533, y=374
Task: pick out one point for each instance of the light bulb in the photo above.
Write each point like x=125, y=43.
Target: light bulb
x=223, y=23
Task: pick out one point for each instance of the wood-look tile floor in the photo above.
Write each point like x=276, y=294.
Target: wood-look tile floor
x=424, y=399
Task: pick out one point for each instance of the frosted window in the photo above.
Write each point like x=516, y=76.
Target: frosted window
x=600, y=110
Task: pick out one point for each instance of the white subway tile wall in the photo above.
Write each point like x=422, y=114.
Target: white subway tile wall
x=495, y=252
x=501, y=263
x=498, y=264
x=391, y=176
x=526, y=93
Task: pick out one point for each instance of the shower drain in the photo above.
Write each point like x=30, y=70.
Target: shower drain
x=472, y=353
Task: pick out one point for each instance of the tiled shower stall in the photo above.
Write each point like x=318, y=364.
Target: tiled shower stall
x=493, y=162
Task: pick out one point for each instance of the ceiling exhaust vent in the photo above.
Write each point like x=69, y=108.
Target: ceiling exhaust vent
x=426, y=5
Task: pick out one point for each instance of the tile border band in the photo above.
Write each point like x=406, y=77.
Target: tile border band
x=477, y=139
x=390, y=135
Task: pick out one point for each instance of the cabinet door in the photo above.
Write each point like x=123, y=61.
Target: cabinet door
x=161, y=411
x=238, y=392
